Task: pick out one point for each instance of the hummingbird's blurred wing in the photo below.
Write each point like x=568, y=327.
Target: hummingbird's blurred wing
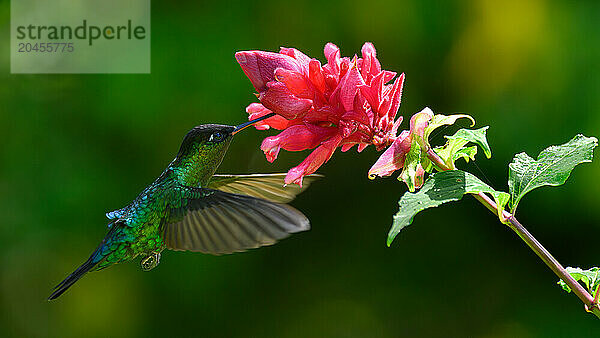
x=217, y=222
x=268, y=186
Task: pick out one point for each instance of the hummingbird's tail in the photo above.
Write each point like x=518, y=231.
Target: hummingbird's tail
x=90, y=264
x=72, y=278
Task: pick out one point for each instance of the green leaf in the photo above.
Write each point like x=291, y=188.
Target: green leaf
x=467, y=153
x=427, y=165
x=477, y=136
x=589, y=277
x=501, y=198
x=552, y=167
x=443, y=120
x=411, y=163
x=455, y=146
x=449, y=150
x=440, y=188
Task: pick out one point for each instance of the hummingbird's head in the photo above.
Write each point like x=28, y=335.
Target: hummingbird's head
x=204, y=147
x=206, y=141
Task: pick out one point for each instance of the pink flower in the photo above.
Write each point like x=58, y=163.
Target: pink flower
x=393, y=158
x=342, y=103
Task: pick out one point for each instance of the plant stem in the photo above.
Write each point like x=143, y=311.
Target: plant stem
x=591, y=303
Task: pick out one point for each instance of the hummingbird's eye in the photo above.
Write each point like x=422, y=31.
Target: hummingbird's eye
x=217, y=136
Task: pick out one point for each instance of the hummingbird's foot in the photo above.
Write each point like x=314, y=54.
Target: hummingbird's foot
x=151, y=261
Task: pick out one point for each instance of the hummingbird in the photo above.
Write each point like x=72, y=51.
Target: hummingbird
x=190, y=208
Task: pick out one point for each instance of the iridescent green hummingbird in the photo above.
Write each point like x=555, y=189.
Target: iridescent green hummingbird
x=189, y=208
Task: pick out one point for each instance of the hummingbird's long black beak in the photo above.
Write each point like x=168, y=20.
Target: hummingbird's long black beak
x=249, y=123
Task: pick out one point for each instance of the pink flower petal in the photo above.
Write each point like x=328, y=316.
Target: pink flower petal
x=260, y=66
x=315, y=74
x=357, y=138
x=375, y=66
x=396, y=96
x=384, y=106
x=396, y=125
x=348, y=128
x=393, y=157
x=383, y=123
x=295, y=138
x=331, y=81
x=280, y=100
x=368, y=54
x=296, y=54
x=419, y=121
x=347, y=147
x=331, y=51
x=377, y=85
x=345, y=65
x=313, y=161
x=355, y=116
x=332, y=54
x=388, y=76
x=370, y=95
x=362, y=147
x=370, y=61
x=322, y=116
x=295, y=82
x=256, y=110
x=348, y=87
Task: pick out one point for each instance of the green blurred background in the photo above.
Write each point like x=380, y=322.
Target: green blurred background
x=76, y=146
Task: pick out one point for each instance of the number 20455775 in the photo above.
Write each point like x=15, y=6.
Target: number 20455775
x=46, y=47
